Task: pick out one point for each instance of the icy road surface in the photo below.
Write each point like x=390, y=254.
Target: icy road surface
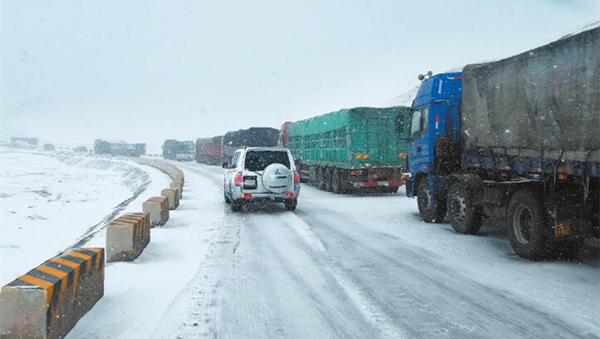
x=338, y=267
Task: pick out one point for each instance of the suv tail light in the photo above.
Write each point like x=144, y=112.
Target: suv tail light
x=238, y=179
x=296, y=177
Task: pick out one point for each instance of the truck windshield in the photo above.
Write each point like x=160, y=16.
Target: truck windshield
x=259, y=160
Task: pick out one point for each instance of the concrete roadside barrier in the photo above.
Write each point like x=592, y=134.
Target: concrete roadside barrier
x=127, y=236
x=177, y=176
x=177, y=186
x=173, y=197
x=47, y=301
x=158, y=208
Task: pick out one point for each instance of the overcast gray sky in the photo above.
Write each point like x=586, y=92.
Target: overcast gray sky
x=72, y=71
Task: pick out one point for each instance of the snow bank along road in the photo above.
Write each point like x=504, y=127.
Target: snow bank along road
x=339, y=267
x=51, y=202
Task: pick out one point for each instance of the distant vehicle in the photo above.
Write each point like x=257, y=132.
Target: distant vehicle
x=517, y=139
x=119, y=149
x=49, y=147
x=251, y=137
x=357, y=148
x=208, y=150
x=24, y=142
x=80, y=149
x=261, y=175
x=178, y=150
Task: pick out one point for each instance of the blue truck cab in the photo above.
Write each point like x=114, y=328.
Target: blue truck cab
x=435, y=116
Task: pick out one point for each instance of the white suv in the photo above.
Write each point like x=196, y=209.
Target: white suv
x=261, y=174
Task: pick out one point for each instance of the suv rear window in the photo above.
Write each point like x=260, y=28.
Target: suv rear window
x=259, y=160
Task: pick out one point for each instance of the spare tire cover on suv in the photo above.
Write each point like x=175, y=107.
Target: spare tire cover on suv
x=277, y=178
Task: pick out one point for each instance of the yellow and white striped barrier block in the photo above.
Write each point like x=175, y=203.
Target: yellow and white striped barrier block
x=47, y=301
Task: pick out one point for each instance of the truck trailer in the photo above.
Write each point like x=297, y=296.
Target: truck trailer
x=208, y=150
x=357, y=148
x=178, y=150
x=517, y=139
x=251, y=137
x=119, y=149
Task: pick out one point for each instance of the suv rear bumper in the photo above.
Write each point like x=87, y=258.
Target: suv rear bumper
x=248, y=196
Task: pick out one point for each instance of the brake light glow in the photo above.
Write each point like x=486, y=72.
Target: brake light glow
x=238, y=179
x=245, y=195
x=296, y=177
x=291, y=195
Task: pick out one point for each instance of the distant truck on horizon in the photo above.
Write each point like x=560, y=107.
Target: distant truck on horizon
x=119, y=149
x=178, y=150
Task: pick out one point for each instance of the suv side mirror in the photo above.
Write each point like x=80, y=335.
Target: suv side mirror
x=225, y=164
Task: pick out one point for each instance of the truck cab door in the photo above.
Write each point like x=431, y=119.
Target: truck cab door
x=420, y=154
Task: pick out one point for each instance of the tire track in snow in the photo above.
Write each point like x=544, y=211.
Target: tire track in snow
x=373, y=313
x=474, y=315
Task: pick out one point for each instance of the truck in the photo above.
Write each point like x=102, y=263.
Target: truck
x=178, y=150
x=251, y=137
x=119, y=148
x=517, y=140
x=351, y=149
x=208, y=150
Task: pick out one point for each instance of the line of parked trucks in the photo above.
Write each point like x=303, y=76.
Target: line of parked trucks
x=517, y=139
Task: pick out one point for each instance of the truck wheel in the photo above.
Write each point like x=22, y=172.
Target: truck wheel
x=428, y=212
x=464, y=217
x=527, y=226
x=336, y=185
x=320, y=182
x=327, y=179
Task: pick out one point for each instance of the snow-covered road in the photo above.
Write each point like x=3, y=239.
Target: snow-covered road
x=368, y=267
x=338, y=267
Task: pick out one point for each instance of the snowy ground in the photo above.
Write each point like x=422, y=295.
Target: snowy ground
x=49, y=202
x=338, y=267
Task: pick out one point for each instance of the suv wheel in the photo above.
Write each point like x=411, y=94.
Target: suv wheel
x=291, y=205
x=236, y=206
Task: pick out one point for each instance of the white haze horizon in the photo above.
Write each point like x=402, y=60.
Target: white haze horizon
x=146, y=71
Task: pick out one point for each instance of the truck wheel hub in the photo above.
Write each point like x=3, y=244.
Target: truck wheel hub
x=459, y=207
x=523, y=224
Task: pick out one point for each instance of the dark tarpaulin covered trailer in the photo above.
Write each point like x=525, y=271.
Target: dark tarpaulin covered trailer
x=546, y=98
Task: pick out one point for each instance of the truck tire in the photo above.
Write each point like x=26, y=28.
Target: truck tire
x=464, y=216
x=327, y=179
x=428, y=212
x=336, y=184
x=527, y=226
x=320, y=182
